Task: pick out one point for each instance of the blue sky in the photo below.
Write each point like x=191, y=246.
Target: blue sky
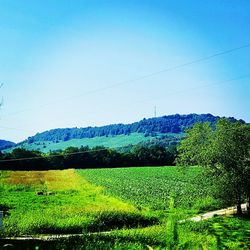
x=60, y=60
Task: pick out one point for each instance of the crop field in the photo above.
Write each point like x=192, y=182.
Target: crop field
x=153, y=186
x=136, y=208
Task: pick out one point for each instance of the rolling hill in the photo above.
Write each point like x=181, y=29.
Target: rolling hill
x=6, y=144
x=166, y=128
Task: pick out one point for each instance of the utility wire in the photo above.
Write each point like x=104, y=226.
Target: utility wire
x=54, y=155
x=200, y=87
x=178, y=66
x=66, y=154
x=169, y=94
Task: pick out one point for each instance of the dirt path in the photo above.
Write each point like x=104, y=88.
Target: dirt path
x=208, y=215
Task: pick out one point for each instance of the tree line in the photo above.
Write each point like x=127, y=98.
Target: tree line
x=84, y=157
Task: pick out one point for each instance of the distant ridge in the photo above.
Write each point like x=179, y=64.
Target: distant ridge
x=6, y=144
x=149, y=127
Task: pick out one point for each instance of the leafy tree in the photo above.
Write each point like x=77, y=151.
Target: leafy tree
x=225, y=150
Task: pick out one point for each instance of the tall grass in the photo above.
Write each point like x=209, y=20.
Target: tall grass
x=171, y=227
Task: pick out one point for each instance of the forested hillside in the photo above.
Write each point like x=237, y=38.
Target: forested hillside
x=149, y=127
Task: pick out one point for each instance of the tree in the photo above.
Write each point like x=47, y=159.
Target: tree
x=225, y=150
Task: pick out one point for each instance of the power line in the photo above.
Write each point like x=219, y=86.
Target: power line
x=169, y=94
x=202, y=86
x=55, y=155
x=178, y=66
x=65, y=154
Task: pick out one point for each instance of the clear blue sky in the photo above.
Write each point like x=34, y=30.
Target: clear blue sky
x=54, y=53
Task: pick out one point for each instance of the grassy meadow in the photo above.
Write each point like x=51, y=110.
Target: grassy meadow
x=106, y=141
x=136, y=208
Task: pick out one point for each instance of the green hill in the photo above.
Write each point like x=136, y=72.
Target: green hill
x=109, y=141
x=149, y=127
x=6, y=144
x=163, y=129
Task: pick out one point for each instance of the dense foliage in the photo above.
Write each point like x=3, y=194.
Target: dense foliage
x=165, y=124
x=84, y=157
x=225, y=150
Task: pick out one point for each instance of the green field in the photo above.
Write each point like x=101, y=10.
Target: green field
x=140, y=186
x=139, y=207
x=110, y=141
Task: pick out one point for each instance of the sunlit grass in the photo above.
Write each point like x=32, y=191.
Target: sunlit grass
x=66, y=203
x=106, y=141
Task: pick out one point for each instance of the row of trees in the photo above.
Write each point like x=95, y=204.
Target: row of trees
x=84, y=157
